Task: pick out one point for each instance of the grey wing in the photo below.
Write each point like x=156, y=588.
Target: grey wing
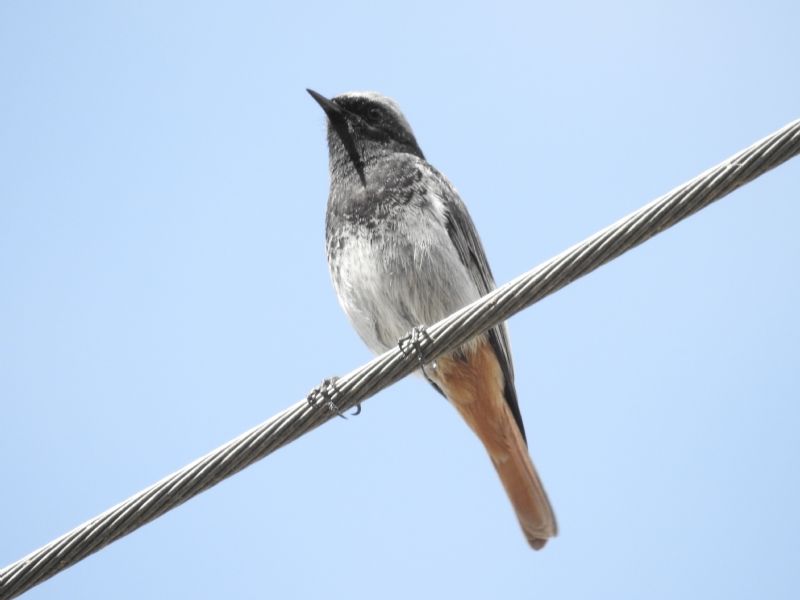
x=465, y=238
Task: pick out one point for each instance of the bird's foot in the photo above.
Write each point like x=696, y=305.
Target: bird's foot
x=325, y=393
x=411, y=343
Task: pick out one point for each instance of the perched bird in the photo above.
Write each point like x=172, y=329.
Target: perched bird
x=403, y=252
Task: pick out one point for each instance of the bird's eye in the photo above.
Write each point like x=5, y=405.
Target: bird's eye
x=374, y=114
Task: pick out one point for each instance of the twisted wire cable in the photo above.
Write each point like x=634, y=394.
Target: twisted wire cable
x=440, y=338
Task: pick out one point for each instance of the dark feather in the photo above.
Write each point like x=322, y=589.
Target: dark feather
x=465, y=238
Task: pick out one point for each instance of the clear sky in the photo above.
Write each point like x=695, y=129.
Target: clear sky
x=164, y=288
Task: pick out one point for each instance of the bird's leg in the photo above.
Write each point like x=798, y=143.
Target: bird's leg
x=412, y=342
x=326, y=392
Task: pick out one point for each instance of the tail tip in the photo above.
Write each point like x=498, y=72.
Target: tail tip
x=539, y=537
x=537, y=543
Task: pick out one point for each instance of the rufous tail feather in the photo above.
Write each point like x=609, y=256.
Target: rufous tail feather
x=475, y=387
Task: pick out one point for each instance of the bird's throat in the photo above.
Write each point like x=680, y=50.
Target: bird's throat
x=340, y=127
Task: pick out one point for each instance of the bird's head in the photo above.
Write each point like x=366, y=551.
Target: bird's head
x=364, y=126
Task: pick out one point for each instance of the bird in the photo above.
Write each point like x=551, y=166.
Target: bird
x=403, y=253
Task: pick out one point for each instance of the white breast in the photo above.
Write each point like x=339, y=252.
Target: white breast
x=393, y=278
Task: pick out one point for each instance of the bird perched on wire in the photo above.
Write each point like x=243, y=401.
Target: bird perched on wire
x=403, y=252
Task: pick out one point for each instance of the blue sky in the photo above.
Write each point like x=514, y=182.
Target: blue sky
x=164, y=288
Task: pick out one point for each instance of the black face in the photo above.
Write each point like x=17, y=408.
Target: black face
x=374, y=120
x=364, y=127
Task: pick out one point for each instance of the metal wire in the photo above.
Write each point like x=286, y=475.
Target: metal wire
x=442, y=337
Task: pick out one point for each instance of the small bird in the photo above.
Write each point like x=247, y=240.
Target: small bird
x=403, y=252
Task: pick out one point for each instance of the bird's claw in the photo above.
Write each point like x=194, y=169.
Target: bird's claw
x=412, y=343
x=326, y=393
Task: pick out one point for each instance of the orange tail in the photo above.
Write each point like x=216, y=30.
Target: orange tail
x=475, y=387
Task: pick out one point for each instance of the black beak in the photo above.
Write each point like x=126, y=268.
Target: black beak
x=333, y=110
x=338, y=119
